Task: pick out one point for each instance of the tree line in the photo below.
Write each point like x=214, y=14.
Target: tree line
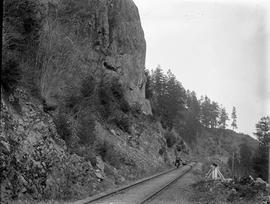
x=177, y=107
x=255, y=163
x=182, y=110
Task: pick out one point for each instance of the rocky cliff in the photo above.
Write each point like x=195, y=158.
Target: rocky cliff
x=101, y=38
x=37, y=163
x=74, y=118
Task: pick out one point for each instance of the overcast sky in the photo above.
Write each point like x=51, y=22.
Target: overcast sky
x=216, y=48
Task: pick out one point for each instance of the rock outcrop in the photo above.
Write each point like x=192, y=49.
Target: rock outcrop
x=102, y=38
x=73, y=125
x=34, y=159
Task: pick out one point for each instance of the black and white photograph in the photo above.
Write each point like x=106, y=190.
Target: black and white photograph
x=135, y=102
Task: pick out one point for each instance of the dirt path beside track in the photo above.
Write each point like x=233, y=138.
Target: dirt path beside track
x=179, y=192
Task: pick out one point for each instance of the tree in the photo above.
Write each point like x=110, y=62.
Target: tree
x=174, y=100
x=263, y=130
x=148, y=90
x=223, y=118
x=260, y=160
x=193, y=105
x=214, y=113
x=233, y=116
x=158, y=82
x=205, y=117
x=245, y=159
x=168, y=97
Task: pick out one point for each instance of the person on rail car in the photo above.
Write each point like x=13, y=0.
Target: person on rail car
x=178, y=161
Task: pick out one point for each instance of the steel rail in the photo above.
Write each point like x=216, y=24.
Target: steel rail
x=129, y=186
x=114, y=192
x=156, y=193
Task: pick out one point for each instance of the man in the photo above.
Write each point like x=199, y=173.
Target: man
x=178, y=161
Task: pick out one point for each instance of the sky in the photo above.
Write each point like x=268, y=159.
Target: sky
x=218, y=48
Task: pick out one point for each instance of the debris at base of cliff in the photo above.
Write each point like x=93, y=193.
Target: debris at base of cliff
x=244, y=190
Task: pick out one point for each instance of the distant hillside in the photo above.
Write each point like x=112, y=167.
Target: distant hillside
x=220, y=143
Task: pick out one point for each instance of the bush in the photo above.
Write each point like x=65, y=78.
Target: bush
x=88, y=86
x=108, y=153
x=161, y=151
x=72, y=101
x=101, y=148
x=10, y=75
x=136, y=108
x=62, y=128
x=105, y=101
x=112, y=99
x=118, y=94
x=116, y=89
x=124, y=105
x=86, y=129
x=122, y=121
x=22, y=22
x=170, y=139
x=148, y=90
x=180, y=146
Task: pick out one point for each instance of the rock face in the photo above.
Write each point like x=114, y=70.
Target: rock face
x=34, y=159
x=71, y=144
x=102, y=38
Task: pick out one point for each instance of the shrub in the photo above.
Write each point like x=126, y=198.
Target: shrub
x=105, y=101
x=161, y=151
x=118, y=94
x=170, y=139
x=22, y=22
x=62, y=128
x=10, y=75
x=108, y=153
x=180, y=146
x=86, y=128
x=148, y=90
x=91, y=157
x=136, y=108
x=88, y=86
x=122, y=121
x=72, y=101
x=112, y=98
x=101, y=148
x=124, y=105
x=117, y=89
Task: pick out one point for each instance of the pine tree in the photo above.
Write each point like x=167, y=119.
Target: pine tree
x=245, y=159
x=148, y=85
x=168, y=97
x=193, y=105
x=214, y=113
x=205, y=118
x=223, y=118
x=234, y=125
x=260, y=161
x=263, y=130
x=175, y=99
x=158, y=91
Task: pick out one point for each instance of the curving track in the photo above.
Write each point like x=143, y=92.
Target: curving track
x=143, y=190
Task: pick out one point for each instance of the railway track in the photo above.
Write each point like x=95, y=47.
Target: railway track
x=159, y=183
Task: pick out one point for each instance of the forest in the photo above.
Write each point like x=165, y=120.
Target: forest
x=182, y=110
